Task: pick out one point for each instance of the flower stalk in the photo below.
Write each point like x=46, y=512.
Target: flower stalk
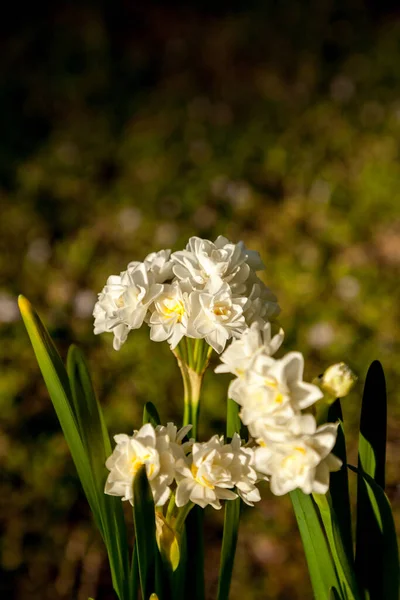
x=193, y=357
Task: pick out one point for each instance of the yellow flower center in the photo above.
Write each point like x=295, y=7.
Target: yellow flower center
x=135, y=465
x=172, y=306
x=120, y=301
x=294, y=458
x=137, y=462
x=221, y=310
x=271, y=382
x=202, y=480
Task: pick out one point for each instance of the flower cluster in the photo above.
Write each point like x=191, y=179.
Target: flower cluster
x=292, y=451
x=202, y=473
x=208, y=291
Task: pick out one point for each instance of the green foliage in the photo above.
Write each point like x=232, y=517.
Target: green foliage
x=83, y=426
x=329, y=549
x=339, y=483
x=145, y=529
x=377, y=561
x=319, y=560
x=150, y=414
x=232, y=514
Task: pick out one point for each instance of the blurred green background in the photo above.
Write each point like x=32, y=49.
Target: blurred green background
x=127, y=128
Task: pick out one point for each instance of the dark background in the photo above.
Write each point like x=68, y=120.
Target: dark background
x=127, y=127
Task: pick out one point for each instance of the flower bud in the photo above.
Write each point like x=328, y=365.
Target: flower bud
x=167, y=542
x=338, y=380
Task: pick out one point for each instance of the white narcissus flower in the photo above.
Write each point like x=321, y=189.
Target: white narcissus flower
x=273, y=389
x=137, y=297
x=243, y=471
x=124, y=302
x=216, y=315
x=145, y=447
x=160, y=265
x=178, y=447
x=238, y=356
x=262, y=304
x=203, y=260
x=303, y=460
x=106, y=310
x=204, y=477
x=170, y=311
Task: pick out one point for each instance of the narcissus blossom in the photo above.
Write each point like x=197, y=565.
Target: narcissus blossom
x=208, y=291
x=238, y=356
x=273, y=390
x=204, y=477
x=244, y=474
x=262, y=305
x=303, y=460
x=144, y=447
x=175, y=436
x=216, y=315
x=214, y=471
x=124, y=302
x=160, y=265
x=170, y=313
x=203, y=260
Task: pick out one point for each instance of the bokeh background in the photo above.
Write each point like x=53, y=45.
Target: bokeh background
x=127, y=128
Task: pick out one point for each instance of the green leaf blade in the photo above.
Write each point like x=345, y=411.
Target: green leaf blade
x=384, y=579
x=229, y=543
x=370, y=543
x=343, y=561
x=57, y=383
x=145, y=529
x=70, y=409
x=150, y=415
x=194, y=528
x=232, y=514
x=339, y=483
x=373, y=424
x=320, y=563
x=96, y=440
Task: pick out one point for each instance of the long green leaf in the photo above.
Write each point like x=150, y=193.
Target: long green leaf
x=134, y=574
x=145, y=529
x=88, y=412
x=319, y=560
x=373, y=423
x=68, y=410
x=57, y=382
x=178, y=576
x=163, y=574
x=229, y=542
x=370, y=567
x=194, y=588
x=150, y=415
x=96, y=439
x=231, y=517
x=385, y=578
x=344, y=564
x=339, y=483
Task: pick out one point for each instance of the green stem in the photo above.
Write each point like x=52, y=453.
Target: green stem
x=182, y=514
x=170, y=509
x=192, y=375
